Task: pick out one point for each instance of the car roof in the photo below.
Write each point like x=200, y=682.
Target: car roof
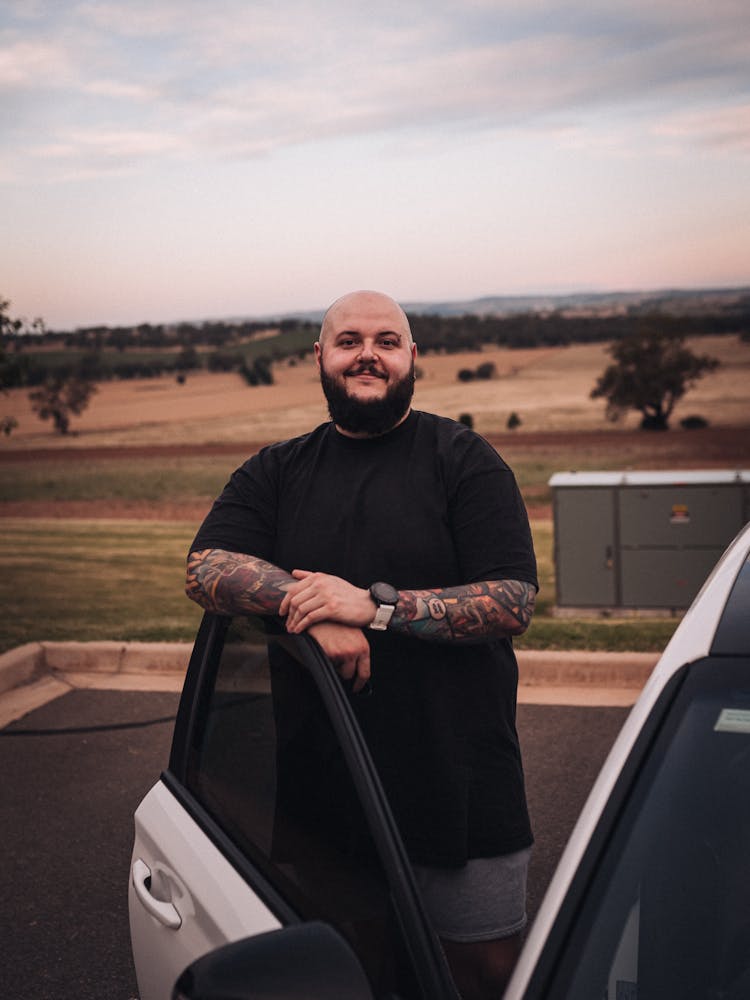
x=717, y=622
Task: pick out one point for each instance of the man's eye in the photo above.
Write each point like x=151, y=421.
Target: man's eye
x=389, y=342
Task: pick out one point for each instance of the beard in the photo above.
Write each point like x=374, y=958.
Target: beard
x=370, y=417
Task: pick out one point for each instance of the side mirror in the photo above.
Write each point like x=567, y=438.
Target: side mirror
x=300, y=962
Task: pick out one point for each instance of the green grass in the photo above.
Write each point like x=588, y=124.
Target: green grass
x=81, y=477
x=74, y=476
x=90, y=580
x=625, y=635
x=110, y=579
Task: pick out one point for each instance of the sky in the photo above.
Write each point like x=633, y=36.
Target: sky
x=163, y=160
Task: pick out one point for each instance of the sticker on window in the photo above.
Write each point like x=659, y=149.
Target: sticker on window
x=733, y=720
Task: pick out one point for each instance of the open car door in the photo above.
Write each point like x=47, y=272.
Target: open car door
x=269, y=817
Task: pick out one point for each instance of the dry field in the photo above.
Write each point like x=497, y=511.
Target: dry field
x=111, y=508
x=547, y=387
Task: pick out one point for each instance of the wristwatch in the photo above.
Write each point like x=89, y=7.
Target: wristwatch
x=386, y=599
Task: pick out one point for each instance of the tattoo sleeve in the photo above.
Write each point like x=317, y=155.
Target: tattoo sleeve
x=472, y=613
x=231, y=583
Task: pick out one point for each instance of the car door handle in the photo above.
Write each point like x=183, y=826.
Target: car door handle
x=165, y=913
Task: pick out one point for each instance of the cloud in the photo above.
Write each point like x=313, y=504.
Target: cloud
x=233, y=78
x=33, y=64
x=719, y=128
x=120, y=89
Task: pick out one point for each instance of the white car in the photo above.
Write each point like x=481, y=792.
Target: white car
x=249, y=879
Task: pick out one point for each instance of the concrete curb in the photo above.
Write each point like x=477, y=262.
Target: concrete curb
x=552, y=668
x=30, y=663
x=22, y=665
x=573, y=668
x=116, y=657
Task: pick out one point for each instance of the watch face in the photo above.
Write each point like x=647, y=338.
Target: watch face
x=384, y=593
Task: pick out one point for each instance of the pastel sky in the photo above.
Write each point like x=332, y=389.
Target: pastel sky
x=183, y=159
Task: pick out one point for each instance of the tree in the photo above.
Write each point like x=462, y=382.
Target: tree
x=11, y=328
x=61, y=396
x=188, y=359
x=653, y=370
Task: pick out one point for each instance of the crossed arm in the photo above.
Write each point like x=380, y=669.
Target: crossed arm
x=335, y=612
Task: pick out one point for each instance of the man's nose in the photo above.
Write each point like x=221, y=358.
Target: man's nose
x=367, y=351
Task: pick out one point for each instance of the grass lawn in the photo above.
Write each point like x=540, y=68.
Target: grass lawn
x=96, y=579
x=186, y=476
x=117, y=579
x=82, y=477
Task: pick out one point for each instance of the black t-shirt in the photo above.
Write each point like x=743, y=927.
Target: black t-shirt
x=430, y=504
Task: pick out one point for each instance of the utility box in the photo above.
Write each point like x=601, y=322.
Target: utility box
x=640, y=540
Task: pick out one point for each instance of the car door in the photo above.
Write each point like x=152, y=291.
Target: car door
x=269, y=815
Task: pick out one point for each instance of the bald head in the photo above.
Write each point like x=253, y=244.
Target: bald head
x=373, y=308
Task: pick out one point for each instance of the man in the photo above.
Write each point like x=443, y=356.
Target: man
x=399, y=541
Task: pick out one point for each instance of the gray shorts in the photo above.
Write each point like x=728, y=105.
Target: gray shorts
x=485, y=899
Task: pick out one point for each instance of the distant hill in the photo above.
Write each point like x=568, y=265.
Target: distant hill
x=673, y=300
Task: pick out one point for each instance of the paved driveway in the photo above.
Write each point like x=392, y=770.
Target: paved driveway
x=69, y=789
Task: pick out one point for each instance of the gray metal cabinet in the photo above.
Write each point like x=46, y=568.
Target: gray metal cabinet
x=638, y=540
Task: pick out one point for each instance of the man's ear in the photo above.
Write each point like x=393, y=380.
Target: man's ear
x=318, y=352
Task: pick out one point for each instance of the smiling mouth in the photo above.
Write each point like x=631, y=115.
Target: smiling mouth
x=368, y=372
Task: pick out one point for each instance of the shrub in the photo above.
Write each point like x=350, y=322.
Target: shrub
x=693, y=422
x=486, y=370
x=262, y=368
x=467, y=420
x=513, y=421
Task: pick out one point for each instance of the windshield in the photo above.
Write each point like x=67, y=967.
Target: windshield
x=667, y=913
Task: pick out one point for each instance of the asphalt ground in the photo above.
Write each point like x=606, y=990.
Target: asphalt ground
x=73, y=773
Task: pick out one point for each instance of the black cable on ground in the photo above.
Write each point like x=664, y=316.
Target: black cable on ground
x=76, y=730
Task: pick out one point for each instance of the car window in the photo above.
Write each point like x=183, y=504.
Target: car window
x=267, y=765
x=666, y=915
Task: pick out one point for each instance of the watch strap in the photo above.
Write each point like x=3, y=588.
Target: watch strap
x=382, y=617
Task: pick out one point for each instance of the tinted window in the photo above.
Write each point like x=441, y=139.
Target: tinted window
x=667, y=915
x=733, y=635
x=266, y=764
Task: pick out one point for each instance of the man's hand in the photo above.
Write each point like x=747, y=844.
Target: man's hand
x=347, y=649
x=320, y=597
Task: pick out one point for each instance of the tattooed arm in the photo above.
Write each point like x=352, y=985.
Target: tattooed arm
x=231, y=583
x=474, y=612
